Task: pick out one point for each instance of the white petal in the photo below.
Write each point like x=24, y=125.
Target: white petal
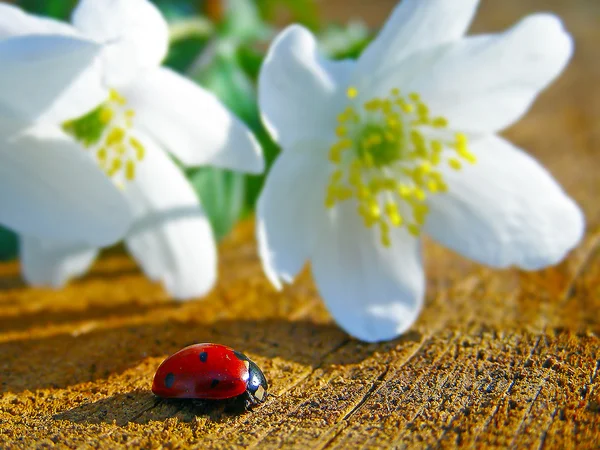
x=192, y=123
x=289, y=210
x=505, y=210
x=15, y=22
x=53, y=263
x=49, y=78
x=171, y=238
x=135, y=31
x=50, y=188
x=414, y=26
x=374, y=293
x=486, y=83
x=300, y=92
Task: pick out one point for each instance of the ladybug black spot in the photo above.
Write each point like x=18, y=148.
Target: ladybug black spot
x=214, y=383
x=169, y=380
x=203, y=356
x=240, y=356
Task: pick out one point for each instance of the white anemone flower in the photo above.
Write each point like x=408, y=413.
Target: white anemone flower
x=402, y=142
x=48, y=187
x=150, y=110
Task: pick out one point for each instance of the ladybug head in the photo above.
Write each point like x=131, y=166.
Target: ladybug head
x=257, y=383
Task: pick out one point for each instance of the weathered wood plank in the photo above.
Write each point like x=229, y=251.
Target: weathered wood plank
x=497, y=359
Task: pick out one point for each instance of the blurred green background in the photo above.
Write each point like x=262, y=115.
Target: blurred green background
x=220, y=44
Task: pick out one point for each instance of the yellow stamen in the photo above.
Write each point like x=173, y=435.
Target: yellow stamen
x=140, y=151
x=385, y=234
x=106, y=115
x=102, y=154
x=439, y=122
x=117, y=98
x=106, y=131
x=385, y=160
x=115, y=136
x=455, y=163
x=130, y=170
x=413, y=229
x=352, y=92
x=341, y=131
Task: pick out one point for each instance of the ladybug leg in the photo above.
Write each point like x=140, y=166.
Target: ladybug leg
x=250, y=401
x=237, y=405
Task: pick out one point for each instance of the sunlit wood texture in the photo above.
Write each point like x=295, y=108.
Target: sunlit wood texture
x=498, y=358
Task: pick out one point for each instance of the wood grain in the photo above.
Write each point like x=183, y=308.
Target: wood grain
x=497, y=359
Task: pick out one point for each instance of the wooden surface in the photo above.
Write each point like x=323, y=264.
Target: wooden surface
x=498, y=358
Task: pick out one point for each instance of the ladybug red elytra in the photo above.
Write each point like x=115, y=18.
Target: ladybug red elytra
x=212, y=372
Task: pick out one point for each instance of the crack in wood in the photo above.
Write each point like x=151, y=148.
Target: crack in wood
x=343, y=422
x=262, y=437
x=315, y=368
x=473, y=282
x=377, y=383
x=375, y=386
x=415, y=382
x=545, y=432
x=134, y=417
x=580, y=270
x=506, y=392
x=592, y=384
x=527, y=413
x=468, y=403
x=438, y=396
x=595, y=372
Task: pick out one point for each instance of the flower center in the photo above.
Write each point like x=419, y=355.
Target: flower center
x=107, y=132
x=388, y=157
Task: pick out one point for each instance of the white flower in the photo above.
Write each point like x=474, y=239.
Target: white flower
x=403, y=141
x=48, y=187
x=150, y=109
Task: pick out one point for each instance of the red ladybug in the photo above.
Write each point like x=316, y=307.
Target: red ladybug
x=210, y=371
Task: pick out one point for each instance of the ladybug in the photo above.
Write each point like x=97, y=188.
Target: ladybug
x=212, y=372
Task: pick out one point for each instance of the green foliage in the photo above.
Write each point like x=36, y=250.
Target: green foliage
x=9, y=245
x=59, y=9
x=344, y=41
x=222, y=195
x=243, y=23
x=305, y=12
x=177, y=9
x=183, y=53
x=228, y=67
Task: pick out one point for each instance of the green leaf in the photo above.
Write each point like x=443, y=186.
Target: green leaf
x=250, y=61
x=344, y=41
x=58, y=9
x=222, y=194
x=173, y=9
x=9, y=245
x=183, y=53
x=244, y=23
x=226, y=78
x=305, y=12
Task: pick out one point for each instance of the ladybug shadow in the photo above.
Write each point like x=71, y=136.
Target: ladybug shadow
x=64, y=360
x=142, y=407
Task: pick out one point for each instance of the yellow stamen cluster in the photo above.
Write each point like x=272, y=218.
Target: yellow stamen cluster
x=384, y=159
x=107, y=132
